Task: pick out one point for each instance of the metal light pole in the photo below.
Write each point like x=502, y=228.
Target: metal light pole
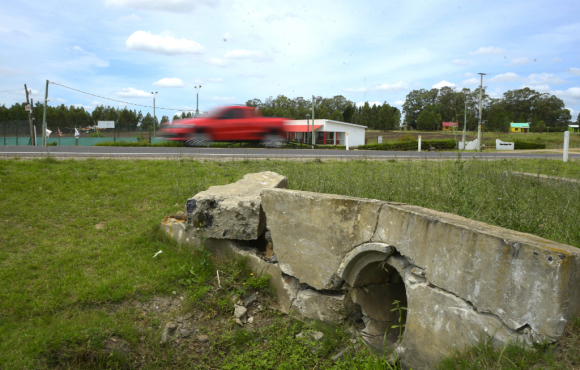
x=307, y=128
x=464, y=122
x=197, y=100
x=313, y=122
x=44, y=115
x=479, y=124
x=154, y=120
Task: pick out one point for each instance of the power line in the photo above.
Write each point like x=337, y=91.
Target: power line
x=118, y=101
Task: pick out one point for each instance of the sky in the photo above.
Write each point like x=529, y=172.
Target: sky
x=372, y=51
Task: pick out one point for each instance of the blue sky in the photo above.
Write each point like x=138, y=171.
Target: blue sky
x=369, y=50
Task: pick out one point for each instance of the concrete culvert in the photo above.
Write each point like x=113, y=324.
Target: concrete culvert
x=376, y=286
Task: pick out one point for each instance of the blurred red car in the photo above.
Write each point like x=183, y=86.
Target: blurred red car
x=232, y=124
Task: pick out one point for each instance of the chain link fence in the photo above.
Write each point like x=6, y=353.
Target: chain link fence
x=17, y=132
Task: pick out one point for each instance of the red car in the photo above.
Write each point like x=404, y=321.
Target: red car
x=234, y=123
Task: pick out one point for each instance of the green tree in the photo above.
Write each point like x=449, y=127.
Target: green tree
x=337, y=116
x=541, y=126
x=429, y=119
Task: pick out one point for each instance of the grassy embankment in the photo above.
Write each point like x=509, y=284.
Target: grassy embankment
x=77, y=240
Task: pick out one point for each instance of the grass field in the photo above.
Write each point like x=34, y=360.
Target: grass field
x=77, y=239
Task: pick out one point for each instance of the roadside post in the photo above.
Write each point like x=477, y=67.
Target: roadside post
x=77, y=135
x=419, y=143
x=346, y=141
x=380, y=140
x=566, y=145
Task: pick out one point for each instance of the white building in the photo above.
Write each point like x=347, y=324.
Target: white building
x=326, y=131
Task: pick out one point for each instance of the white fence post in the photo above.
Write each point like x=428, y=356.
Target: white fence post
x=566, y=145
x=419, y=143
x=346, y=141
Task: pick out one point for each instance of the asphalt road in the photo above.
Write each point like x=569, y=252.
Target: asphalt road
x=162, y=152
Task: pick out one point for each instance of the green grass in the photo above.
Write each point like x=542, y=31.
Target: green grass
x=141, y=143
x=485, y=356
x=64, y=282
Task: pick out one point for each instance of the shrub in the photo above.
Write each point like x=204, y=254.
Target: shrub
x=412, y=145
x=407, y=137
x=96, y=134
x=519, y=144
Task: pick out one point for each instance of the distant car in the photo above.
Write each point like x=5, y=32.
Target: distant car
x=230, y=124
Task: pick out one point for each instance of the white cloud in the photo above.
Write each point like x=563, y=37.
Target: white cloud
x=218, y=62
x=442, y=84
x=279, y=16
x=371, y=103
x=571, y=93
x=554, y=60
x=4, y=71
x=459, y=62
x=354, y=90
x=167, y=45
x=222, y=99
x=540, y=88
x=130, y=18
x=399, y=86
x=178, y=6
x=574, y=71
x=169, y=82
x=61, y=100
x=205, y=80
x=83, y=60
x=257, y=56
x=544, y=78
x=506, y=77
x=471, y=81
x=519, y=61
x=133, y=93
x=255, y=75
x=490, y=50
x=468, y=74
x=399, y=102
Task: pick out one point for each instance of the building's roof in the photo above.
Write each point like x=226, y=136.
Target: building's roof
x=449, y=124
x=520, y=125
x=321, y=121
x=301, y=128
x=574, y=126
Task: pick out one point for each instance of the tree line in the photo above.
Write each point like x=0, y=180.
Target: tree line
x=337, y=108
x=70, y=117
x=426, y=109
x=423, y=109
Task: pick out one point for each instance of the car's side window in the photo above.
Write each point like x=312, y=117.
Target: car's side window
x=238, y=113
x=229, y=114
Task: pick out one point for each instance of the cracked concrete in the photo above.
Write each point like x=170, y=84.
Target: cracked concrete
x=459, y=279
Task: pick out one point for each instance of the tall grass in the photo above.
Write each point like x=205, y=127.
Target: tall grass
x=59, y=271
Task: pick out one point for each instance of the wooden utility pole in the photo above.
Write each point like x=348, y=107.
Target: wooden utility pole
x=32, y=136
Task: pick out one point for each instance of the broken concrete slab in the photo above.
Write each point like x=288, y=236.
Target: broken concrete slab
x=311, y=228
x=462, y=278
x=324, y=307
x=521, y=278
x=438, y=322
x=233, y=211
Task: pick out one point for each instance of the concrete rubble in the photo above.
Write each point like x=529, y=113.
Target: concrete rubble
x=334, y=257
x=233, y=211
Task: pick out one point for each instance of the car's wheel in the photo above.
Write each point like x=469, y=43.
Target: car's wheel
x=199, y=139
x=273, y=141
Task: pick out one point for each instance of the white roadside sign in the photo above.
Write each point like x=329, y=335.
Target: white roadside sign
x=106, y=124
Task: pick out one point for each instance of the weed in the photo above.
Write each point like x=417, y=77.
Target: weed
x=400, y=324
